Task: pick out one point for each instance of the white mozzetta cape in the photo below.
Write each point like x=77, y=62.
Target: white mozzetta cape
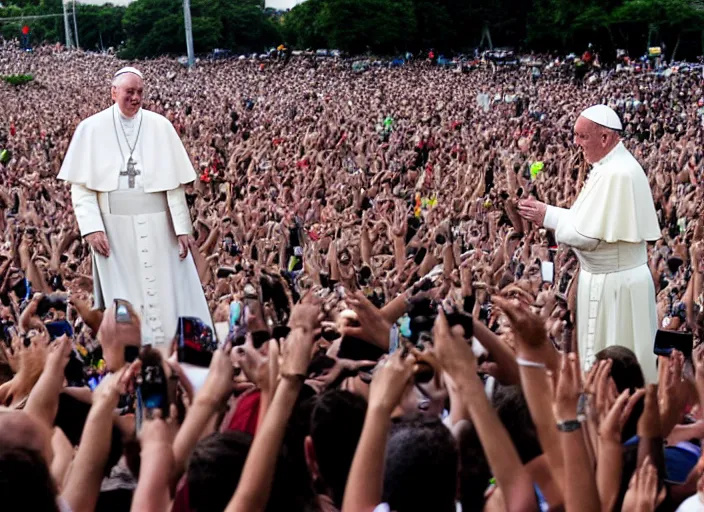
x=616, y=204
x=94, y=156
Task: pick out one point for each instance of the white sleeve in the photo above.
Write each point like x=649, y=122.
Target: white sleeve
x=180, y=215
x=85, y=206
x=560, y=220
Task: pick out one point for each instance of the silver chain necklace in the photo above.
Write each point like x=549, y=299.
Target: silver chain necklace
x=131, y=170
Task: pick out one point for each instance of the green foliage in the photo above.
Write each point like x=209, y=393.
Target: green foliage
x=148, y=28
x=18, y=79
x=100, y=26
x=155, y=27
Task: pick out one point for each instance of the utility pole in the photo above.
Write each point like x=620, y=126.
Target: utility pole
x=75, y=24
x=189, y=32
x=67, y=26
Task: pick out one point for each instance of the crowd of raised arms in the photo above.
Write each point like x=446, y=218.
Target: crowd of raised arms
x=369, y=223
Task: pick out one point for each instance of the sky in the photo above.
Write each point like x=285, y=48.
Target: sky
x=276, y=4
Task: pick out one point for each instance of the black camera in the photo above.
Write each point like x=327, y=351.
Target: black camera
x=152, y=386
x=423, y=312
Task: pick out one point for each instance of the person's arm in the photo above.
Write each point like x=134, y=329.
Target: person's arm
x=500, y=353
x=91, y=317
x=178, y=207
x=27, y=261
x=364, y=487
x=153, y=493
x=43, y=401
x=365, y=246
x=580, y=489
x=28, y=318
x=211, y=397
x=83, y=482
x=650, y=444
x=399, y=251
x=457, y=359
x=254, y=488
x=396, y=307
x=85, y=206
x=610, y=457
x=536, y=354
x=448, y=260
x=210, y=242
x=560, y=221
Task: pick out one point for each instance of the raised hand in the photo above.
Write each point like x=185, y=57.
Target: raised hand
x=390, y=382
x=612, y=423
x=451, y=349
x=642, y=494
x=218, y=384
x=569, y=387
x=373, y=327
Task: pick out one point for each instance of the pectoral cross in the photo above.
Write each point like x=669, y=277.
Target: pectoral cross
x=131, y=172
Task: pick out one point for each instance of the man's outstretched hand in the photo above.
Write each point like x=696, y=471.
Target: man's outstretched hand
x=532, y=210
x=99, y=242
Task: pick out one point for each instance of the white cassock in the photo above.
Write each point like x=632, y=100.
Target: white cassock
x=608, y=227
x=142, y=222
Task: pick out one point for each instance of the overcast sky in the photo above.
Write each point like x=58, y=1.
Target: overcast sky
x=276, y=4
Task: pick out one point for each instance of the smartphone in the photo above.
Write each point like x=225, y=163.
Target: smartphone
x=547, y=270
x=94, y=381
x=152, y=387
x=122, y=313
x=58, y=328
x=357, y=349
x=224, y=272
x=667, y=341
x=196, y=342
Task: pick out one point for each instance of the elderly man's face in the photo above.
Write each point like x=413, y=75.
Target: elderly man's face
x=128, y=93
x=591, y=138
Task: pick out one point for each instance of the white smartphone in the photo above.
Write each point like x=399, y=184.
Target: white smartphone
x=547, y=270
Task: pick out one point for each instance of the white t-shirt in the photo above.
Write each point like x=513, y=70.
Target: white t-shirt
x=692, y=504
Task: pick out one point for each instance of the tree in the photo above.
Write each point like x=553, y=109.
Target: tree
x=664, y=19
x=155, y=27
x=100, y=26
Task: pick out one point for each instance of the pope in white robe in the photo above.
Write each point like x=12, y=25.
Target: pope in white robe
x=127, y=168
x=608, y=227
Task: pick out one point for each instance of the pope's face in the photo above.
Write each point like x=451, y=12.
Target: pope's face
x=589, y=137
x=128, y=94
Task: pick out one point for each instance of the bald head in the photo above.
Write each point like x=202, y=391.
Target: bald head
x=596, y=140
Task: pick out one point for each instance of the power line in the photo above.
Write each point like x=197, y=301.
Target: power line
x=33, y=17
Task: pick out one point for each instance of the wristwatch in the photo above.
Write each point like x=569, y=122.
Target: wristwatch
x=569, y=426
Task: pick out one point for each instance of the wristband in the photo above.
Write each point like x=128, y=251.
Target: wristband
x=529, y=364
x=569, y=426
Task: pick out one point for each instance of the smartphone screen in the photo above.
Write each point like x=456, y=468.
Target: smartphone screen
x=547, y=270
x=122, y=314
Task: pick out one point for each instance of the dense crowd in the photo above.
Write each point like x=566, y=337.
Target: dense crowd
x=368, y=223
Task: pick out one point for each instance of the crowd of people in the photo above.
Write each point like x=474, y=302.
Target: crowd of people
x=354, y=231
